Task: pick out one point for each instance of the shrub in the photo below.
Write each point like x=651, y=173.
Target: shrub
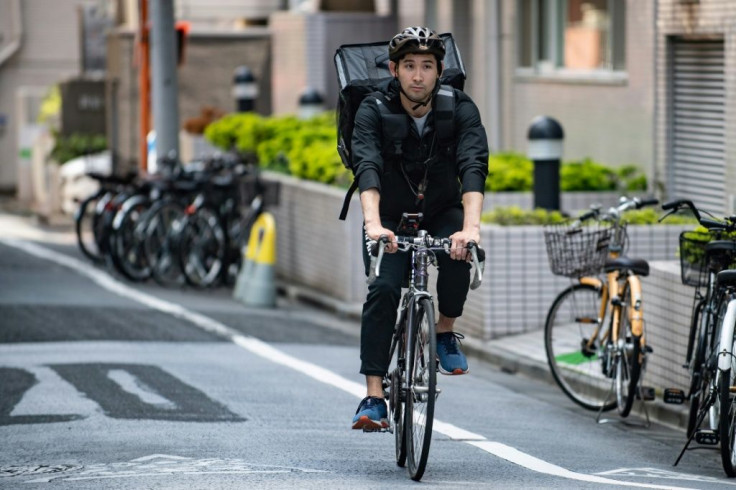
x=76, y=145
x=515, y=216
x=509, y=172
x=586, y=175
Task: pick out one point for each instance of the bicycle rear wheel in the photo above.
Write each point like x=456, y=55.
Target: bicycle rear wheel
x=159, y=242
x=202, y=248
x=628, y=361
x=577, y=366
x=421, y=382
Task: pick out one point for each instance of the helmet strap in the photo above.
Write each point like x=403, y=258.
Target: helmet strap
x=421, y=103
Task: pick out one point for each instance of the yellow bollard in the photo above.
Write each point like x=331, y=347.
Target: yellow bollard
x=256, y=285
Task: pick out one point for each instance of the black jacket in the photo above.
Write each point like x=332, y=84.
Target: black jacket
x=448, y=175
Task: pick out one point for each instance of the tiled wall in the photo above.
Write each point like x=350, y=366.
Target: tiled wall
x=668, y=306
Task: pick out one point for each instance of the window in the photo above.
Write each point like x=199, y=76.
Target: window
x=572, y=35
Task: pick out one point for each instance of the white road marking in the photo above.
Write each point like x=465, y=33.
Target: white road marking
x=318, y=373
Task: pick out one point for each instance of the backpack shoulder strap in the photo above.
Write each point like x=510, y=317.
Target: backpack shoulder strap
x=444, y=119
x=395, y=128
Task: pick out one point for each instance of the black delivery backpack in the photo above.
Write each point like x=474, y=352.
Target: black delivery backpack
x=361, y=68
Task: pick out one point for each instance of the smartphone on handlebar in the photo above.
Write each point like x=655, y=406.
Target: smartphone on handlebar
x=409, y=224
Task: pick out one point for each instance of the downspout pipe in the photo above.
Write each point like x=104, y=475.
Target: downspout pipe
x=14, y=45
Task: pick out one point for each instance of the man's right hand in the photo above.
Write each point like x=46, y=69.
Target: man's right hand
x=375, y=232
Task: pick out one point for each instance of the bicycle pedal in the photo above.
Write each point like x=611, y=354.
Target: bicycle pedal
x=384, y=429
x=707, y=437
x=674, y=396
x=646, y=393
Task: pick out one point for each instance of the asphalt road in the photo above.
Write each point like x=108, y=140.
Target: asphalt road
x=109, y=384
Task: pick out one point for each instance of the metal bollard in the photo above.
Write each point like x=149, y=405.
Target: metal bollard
x=311, y=103
x=545, y=150
x=245, y=89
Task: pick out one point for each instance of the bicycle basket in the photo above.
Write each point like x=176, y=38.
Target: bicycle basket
x=577, y=251
x=700, y=252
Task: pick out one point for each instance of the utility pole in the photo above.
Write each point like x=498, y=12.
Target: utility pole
x=164, y=81
x=144, y=87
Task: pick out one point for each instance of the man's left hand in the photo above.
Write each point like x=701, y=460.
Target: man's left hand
x=460, y=240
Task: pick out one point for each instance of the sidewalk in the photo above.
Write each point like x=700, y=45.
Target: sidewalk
x=518, y=354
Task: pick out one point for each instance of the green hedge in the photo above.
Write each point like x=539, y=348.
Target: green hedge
x=514, y=216
x=307, y=149
x=509, y=171
x=76, y=145
x=302, y=148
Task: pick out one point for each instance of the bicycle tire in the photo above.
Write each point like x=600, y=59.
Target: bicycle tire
x=727, y=421
x=570, y=322
x=421, y=383
x=84, y=227
x=202, y=248
x=397, y=393
x=126, y=245
x=629, y=362
x=698, y=378
x=398, y=415
x=159, y=242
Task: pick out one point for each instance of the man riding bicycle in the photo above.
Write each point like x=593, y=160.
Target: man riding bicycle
x=443, y=182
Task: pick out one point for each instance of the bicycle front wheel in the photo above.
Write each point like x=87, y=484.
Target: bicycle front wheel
x=727, y=421
x=87, y=223
x=575, y=353
x=421, y=386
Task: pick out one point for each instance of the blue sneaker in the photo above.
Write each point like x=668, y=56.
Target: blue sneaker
x=372, y=414
x=452, y=360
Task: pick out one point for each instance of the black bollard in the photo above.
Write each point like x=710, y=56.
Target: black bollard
x=245, y=89
x=545, y=150
x=311, y=103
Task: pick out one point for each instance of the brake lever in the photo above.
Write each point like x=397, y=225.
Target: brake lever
x=375, y=266
x=479, y=267
x=665, y=216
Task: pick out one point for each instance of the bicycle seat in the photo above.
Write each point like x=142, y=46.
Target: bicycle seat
x=726, y=278
x=640, y=267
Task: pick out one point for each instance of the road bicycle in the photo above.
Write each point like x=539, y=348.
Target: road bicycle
x=410, y=386
x=708, y=261
x=594, y=334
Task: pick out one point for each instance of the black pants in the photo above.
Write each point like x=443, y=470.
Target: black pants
x=381, y=305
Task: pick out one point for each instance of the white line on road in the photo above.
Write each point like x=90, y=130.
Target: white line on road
x=318, y=373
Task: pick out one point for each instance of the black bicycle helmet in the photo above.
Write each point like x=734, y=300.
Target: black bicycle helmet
x=421, y=40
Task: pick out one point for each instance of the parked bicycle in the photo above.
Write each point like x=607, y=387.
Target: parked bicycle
x=708, y=262
x=594, y=334
x=186, y=223
x=411, y=383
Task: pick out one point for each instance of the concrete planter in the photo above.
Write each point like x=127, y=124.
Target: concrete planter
x=320, y=256
x=316, y=252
